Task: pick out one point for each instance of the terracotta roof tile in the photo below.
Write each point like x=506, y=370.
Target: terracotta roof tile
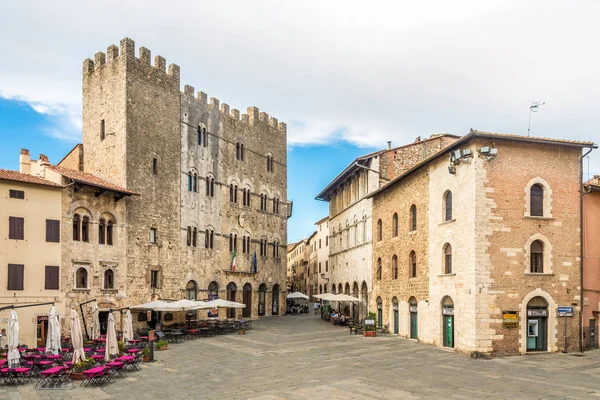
x=26, y=178
x=89, y=179
x=534, y=138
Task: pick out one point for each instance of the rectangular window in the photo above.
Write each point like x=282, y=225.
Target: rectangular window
x=15, y=276
x=52, y=278
x=102, y=130
x=152, y=235
x=326, y=266
x=155, y=166
x=326, y=240
x=154, y=279
x=16, y=194
x=52, y=231
x=16, y=228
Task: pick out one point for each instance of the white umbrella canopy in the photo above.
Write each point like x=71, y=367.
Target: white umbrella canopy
x=76, y=338
x=112, y=348
x=344, y=297
x=95, y=321
x=157, y=305
x=325, y=296
x=218, y=303
x=128, y=328
x=53, y=335
x=13, y=340
x=297, y=295
x=182, y=305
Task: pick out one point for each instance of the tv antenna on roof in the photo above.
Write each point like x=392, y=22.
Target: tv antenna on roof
x=534, y=107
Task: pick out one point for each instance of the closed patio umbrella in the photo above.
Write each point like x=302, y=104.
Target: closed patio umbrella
x=128, y=328
x=112, y=348
x=53, y=335
x=13, y=340
x=76, y=338
x=95, y=321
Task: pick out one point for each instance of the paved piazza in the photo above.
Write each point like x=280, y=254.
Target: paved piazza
x=302, y=357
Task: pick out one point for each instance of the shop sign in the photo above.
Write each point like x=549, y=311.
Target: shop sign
x=413, y=308
x=565, y=311
x=537, y=313
x=448, y=311
x=369, y=322
x=510, y=318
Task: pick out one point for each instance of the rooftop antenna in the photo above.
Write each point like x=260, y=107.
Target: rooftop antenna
x=534, y=107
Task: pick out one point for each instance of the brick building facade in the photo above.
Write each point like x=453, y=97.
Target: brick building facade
x=496, y=242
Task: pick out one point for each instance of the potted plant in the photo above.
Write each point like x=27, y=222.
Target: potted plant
x=241, y=328
x=146, y=354
x=121, y=347
x=78, y=368
x=370, y=327
x=161, y=345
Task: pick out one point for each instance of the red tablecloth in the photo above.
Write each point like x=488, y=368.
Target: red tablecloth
x=133, y=351
x=52, y=371
x=93, y=371
x=125, y=358
x=134, y=341
x=97, y=356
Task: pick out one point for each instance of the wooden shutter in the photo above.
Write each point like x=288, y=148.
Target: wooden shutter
x=52, y=231
x=15, y=276
x=536, y=207
x=52, y=278
x=16, y=228
x=448, y=206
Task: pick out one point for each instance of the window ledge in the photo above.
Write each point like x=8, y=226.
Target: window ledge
x=447, y=222
x=110, y=290
x=539, y=273
x=538, y=218
x=442, y=275
x=81, y=290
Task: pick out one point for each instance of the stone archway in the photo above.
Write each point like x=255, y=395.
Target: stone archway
x=552, y=320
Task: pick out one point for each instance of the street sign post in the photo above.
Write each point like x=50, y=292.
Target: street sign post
x=565, y=311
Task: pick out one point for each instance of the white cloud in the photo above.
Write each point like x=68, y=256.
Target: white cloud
x=334, y=70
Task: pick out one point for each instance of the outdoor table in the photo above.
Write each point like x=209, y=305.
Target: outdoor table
x=144, y=338
x=98, y=357
x=134, y=341
x=100, y=350
x=193, y=332
x=175, y=336
x=129, y=361
x=22, y=349
x=117, y=366
x=87, y=349
x=48, y=375
x=94, y=375
x=66, y=350
x=14, y=375
x=68, y=363
x=2, y=362
x=133, y=351
x=53, y=357
x=38, y=366
x=41, y=349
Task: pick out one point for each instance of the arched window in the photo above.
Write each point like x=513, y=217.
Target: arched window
x=194, y=236
x=76, y=227
x=333, y=289
x=239, y=151
x=109, y=233
x=537, y=257
x=395, y=224
x=208, y=238
x=233, y=189
x=85, y=229
x=536, y=198
x=448, y=206
x=413, y=218
x=210, y=186
x=394, y=267
x=102, y=231
x=189, y=181
x=205, y=137
x=347, y=288
x=213, y=290
x=379, y=230
x=447, y=258
x=189, y=235
x=378, y=273
x=109, y=279
x=340, y=288
x=195, y=183
x=81, y=278
x=191, y=290
x=412, y=265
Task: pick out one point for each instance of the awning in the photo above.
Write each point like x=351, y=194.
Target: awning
x=217, y=303
x=297, y=295
x=335, y=297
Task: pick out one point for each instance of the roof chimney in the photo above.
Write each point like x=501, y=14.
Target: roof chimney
x=389, y=145
x=44, y=160
x=25, y=162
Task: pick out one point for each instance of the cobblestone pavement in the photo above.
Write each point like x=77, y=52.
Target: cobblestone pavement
x=302, y=357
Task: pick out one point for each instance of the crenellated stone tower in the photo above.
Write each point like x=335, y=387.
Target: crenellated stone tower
x=141, y=132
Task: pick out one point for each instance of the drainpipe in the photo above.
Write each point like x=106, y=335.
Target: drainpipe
x=581, y=246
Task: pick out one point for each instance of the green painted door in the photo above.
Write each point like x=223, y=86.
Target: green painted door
x=396, y=325
x=414, y=328
x=448, y=331
x=380, y=317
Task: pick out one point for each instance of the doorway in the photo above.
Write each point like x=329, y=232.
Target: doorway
x=379, y=312
x=414, y=320
x=537, y=324
x=448, y=321
x=231, y=292
x=103, y=318
x=592, y=343
x=275, y=300
x=247, y=311
x=262, y=295
x=42, y=330
x=396, y=322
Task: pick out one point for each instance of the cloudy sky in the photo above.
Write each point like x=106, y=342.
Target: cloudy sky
x=345, y=75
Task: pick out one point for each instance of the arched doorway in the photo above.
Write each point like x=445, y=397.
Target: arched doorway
x=275, y=300
x=347, y=288
x=414, y=318
x=395, y=310
x=191, y=293
x=355, y=304
x=231, y=292
x=333, y=288
x=448, y=321
x=262, y=295
x=364, y=297
x=213, y=294
x=379, y=312
x=247, y=313
x=537, y=324
x=340, y=288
